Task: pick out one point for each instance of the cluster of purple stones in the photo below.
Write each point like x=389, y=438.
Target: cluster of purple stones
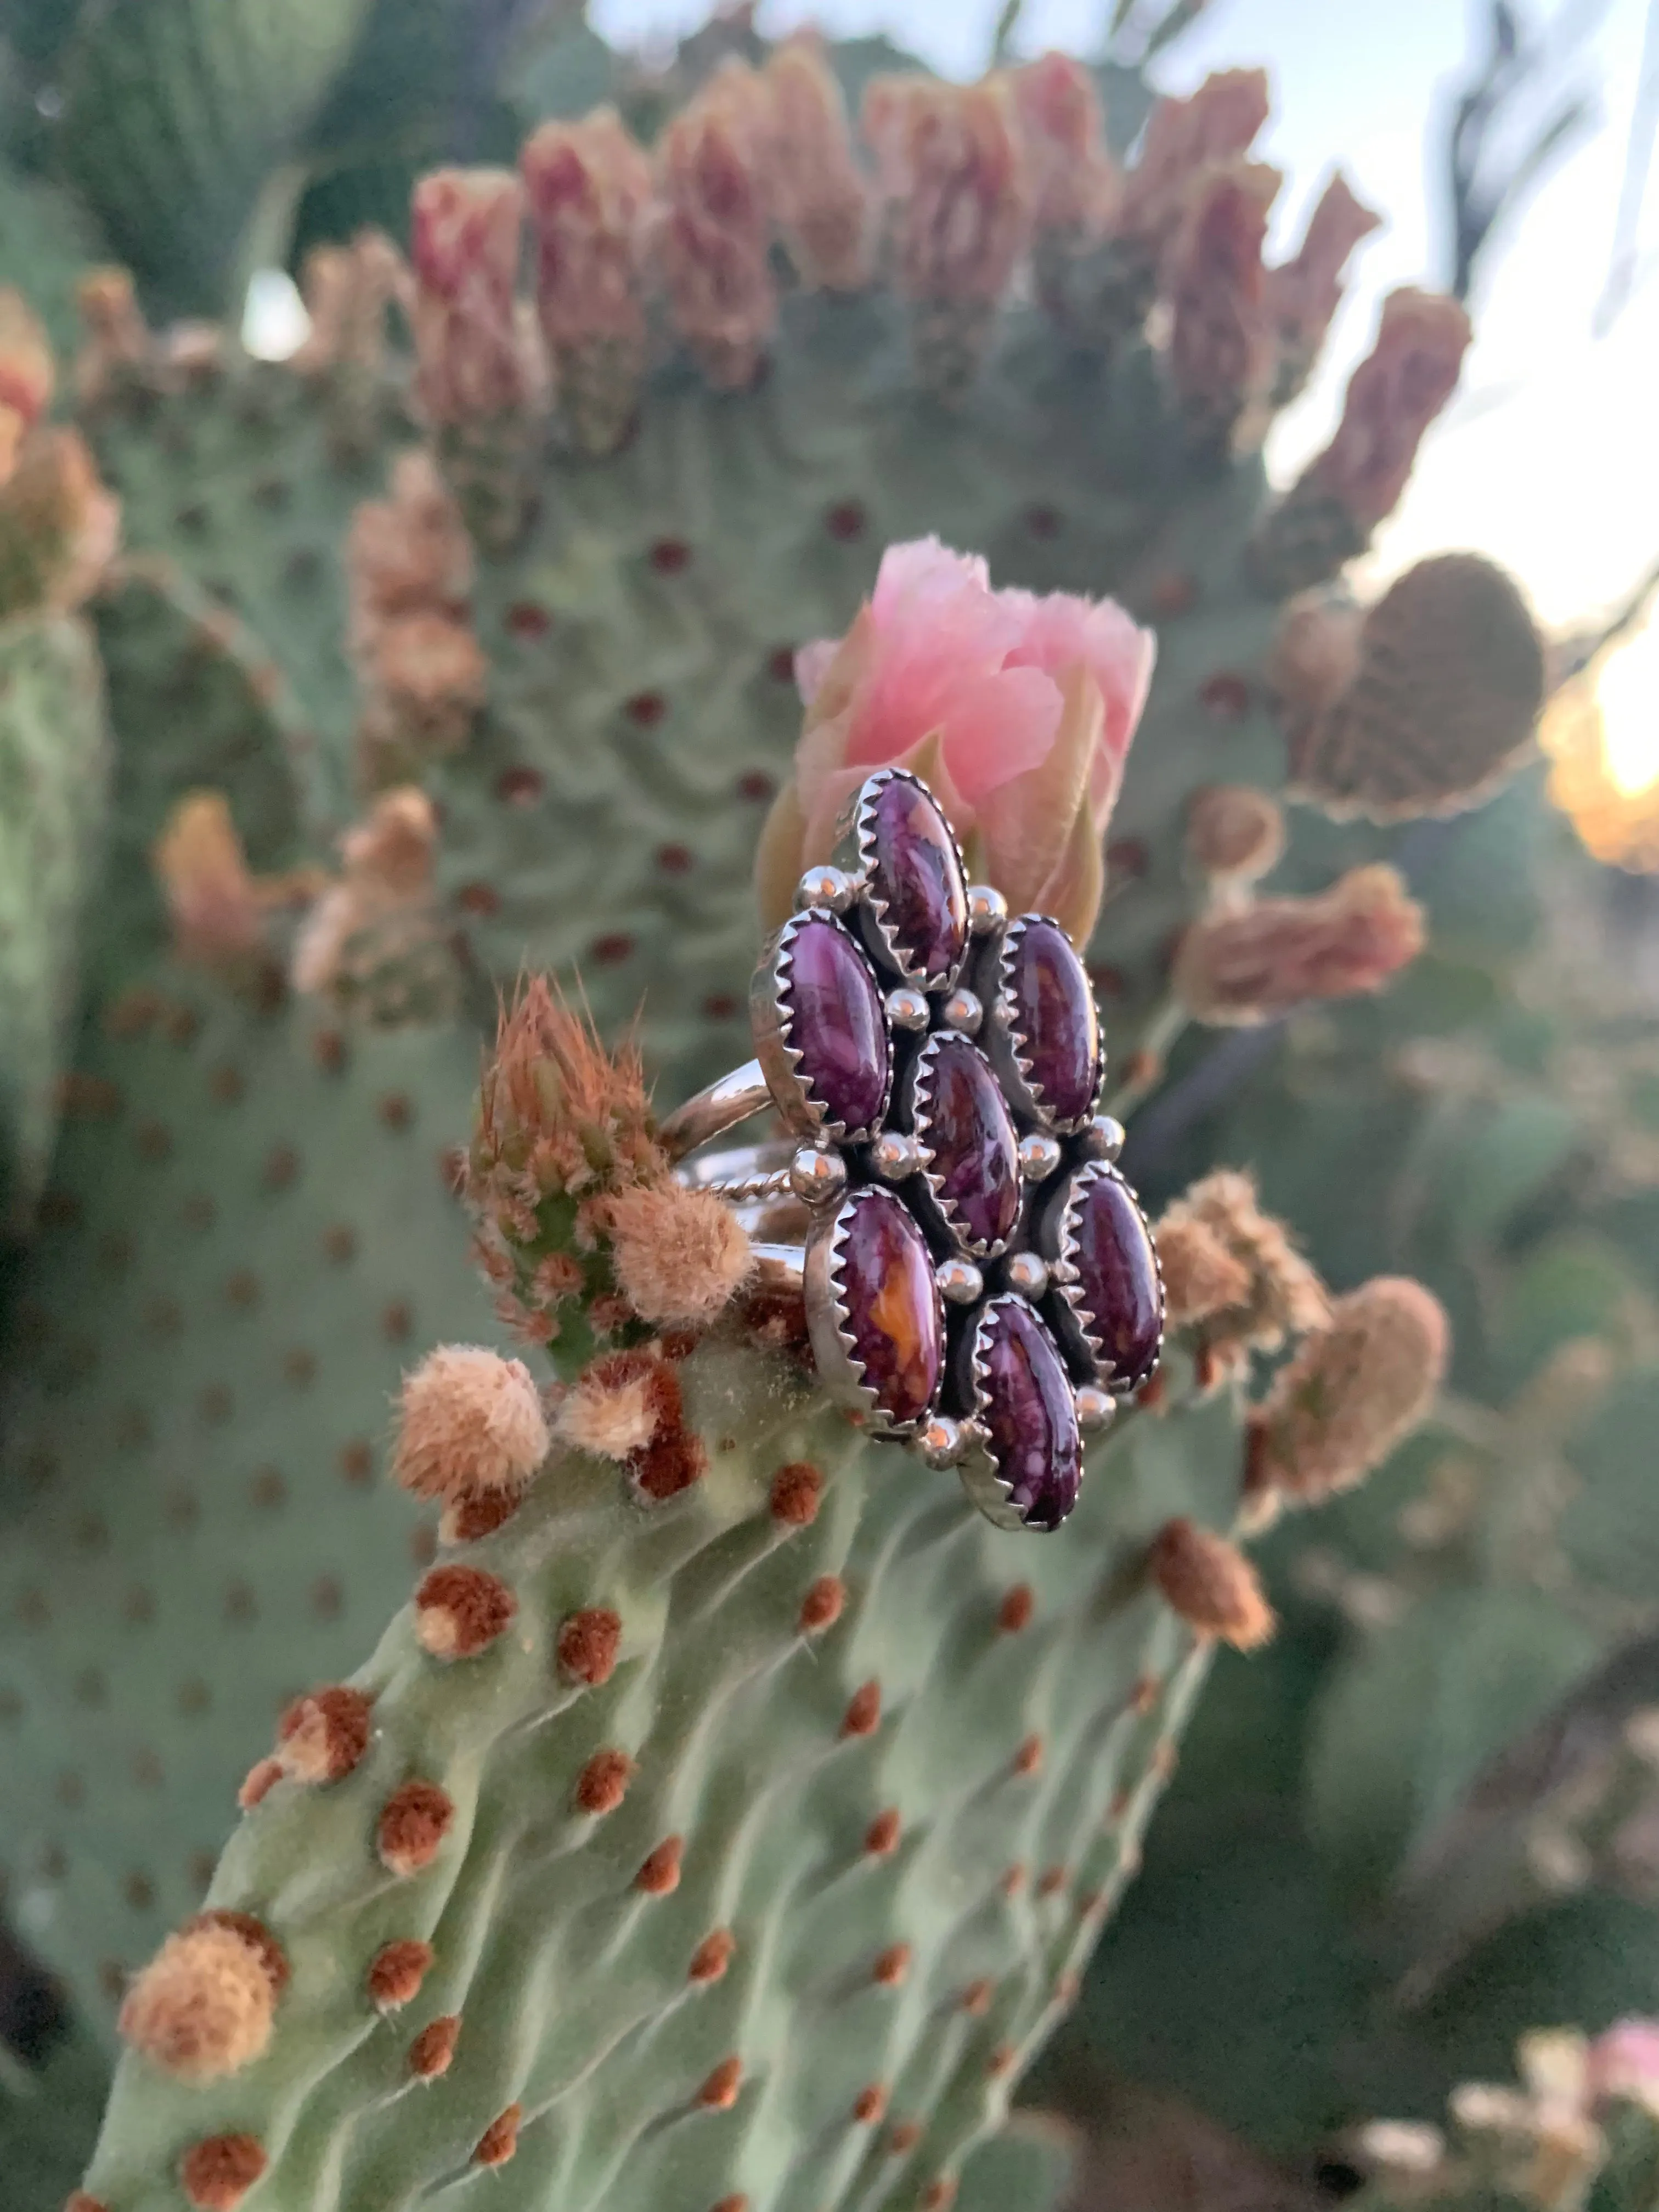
x=979, y=1277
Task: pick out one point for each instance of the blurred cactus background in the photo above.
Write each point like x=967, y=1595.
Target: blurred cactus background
x=430, y=431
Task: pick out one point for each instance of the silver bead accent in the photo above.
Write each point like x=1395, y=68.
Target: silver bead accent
x=963, y=1012
x=1028, y=1274
x=1104, y=1137
x=960, y=1282
x=1039, y=1156
x=987, y=909
x=826, y=886
x=818, y=1178
x=907, y=1009
x=1095, y=1408
x=894, y=1156
x=941, y=1443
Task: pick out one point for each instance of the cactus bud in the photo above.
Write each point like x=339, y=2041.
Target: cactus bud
x=1221, y=354
x=26, y=373
x=713, y=243
x=347, y=291
x=590, y=187
x=1235, y=834
x=218, y=2172
x=118, y=346
x=1075, y=183
x=464, y=227
x=58, y=526
x=1217, y=123
x=1212, y=1585
x=217, y=915
x=679, y=1255
x=1242, y=965
x=1352, y=1392
x=1303, y=293
x=374, y=939
x=407, y=555
x=1217, y=1222
x=822, y=200
x=203, y=2005
x=952, y=173
x=469, y=1420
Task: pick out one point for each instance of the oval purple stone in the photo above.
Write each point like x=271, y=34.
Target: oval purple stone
x=1029, y=1413
x=975, y=1173
x=915, y=873
x=1052, y=1005
x=1117, y=1286
x=890, y=1303
x=836, y=1024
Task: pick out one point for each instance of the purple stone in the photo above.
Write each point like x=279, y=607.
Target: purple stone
x=976, y=1163
x=836, y=1024
x=1052, y=1006
x=1117, y=1286
x=916, y=875
x=1030, y=1414
x=890, y=1303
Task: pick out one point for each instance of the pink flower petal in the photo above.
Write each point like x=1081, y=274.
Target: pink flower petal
x=998, y=728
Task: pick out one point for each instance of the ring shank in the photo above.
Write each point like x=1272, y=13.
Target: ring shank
x=721, y=1106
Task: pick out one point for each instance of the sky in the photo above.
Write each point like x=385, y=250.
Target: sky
x=1549, y=458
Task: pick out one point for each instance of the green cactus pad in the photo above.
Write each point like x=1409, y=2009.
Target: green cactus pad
x=980, y=1805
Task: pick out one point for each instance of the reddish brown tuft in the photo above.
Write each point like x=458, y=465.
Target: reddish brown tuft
x=711, y=1956
x=1016, y=1610
x=259, y=1781
x=720, y=2092
x=433, y=2048
x=976, y=1999
x=1028, y=1758
x=869, y=2105
x=892, y=1966
x=863, y=1716
x=414, y=1821
x=469, y=1421
x=821, y=1607
x=460, y=1611
x=1001, y=2060
x=1211, y=1584
x=501, y=2138
x=471, y=1515
x=218, y=2174
x=675, y=1456
x=397, y=1972
x=739, y=2203
x=881, y=1835
x=322, y=1735
x=904, y=2136
x=251, y=1931
x=939, y=2195
x=661, y=1872
x=78, y=2201
x=797, y=1494
x=603, y=1782
x=589, y=1643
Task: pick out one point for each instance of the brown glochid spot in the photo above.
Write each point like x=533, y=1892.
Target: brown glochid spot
x=473, y=1514
x=660, y=1873
x=217, y=2173
x=398, y=1971
x=322, y=1735
x=460, y=1611
x=892, y=1966
x=589, y=1643
x=870, y=2104
x=413, y=1823
x=258, y=1937
x=603, y=1782
x=797, y=1494
x=1052, y=1881
x=883, y=1833
x=1028, y=1758
x=739, y=2203
x=501, y=2138
x=863, y=1716
x=938, y=2195
x=976, y=1999
x=1001, y=2061
x=1013, y=1881
x=711, y=1956
x=433, y=2048
x=822, y=1605
x=903, y=2136
x=720, y=2092
x=676, y=1455
x=1016, y=1609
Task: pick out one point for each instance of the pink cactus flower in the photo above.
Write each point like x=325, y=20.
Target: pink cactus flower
x=1017, y=708
x=1624, y=2062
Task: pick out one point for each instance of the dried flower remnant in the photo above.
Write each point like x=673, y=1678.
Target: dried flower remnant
x=27, y=374
x=1216, y=124
x=1232, y=1270
x=58, y=526
x=1353, y=1391
x=1235, y=835
x=713, y=238
x=347, y=291
x=372, y=940
x=1212, y=1585
x=409, y=554
x=469, y=1421
x=818, y=190
x=1303, y=294
x=1245, y=964
x=1075, y=184
x=1221, y=352
x=218, y=916
x=464, y=228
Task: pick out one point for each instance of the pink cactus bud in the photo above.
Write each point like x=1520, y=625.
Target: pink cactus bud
x=1393, y=396
x=1218, y=122
x=1221, y=350
x=347, y=290
x=822, y=200
x=1244, y=964
x=1624, y=2063
x=1018, y=710
x=714, y=242
x=26, y=372
x=953, y=174
x=589, y=186
x=464, y=227
x=1355, y=1389
x=1076, y=186
x=218, y=917
x=1303, y=293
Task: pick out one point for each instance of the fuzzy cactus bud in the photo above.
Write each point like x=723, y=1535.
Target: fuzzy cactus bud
x=409, y=554
x=1235, y=834
x=822, y=200
x=713, y=243
x=589, y=186
x=680, y=1256
x=1216, y=124
x=373, y=941
x=1305, y=293
x=1232, y=1270
x=1330, y=512
x=464, y=230
x=347, y=291
x=469, y=1420
x=611, y=1409
x=203, y=2005
x=1354, y=1390
x=1221, y=353
x=218, y=916
x=58, y=526
x=427, y=681
x=1201, y=1276
x=1212, y=1585
x=1075, y=183
x=26, y=373
x=952, y=170
x=1245, y=964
